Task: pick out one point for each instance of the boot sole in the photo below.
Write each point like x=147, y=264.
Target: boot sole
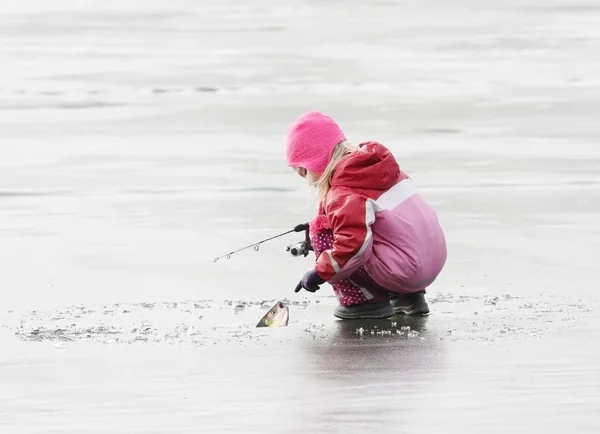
x=382, y=313
x=418, y=310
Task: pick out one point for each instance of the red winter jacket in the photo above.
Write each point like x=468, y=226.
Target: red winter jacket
x=381, y=222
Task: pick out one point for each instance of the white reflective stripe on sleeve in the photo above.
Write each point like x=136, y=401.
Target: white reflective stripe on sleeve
x=369, y=220
x=334, y=263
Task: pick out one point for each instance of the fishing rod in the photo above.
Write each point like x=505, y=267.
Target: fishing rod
x=297, y=228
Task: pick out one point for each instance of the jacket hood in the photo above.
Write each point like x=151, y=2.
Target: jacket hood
x=372, y=167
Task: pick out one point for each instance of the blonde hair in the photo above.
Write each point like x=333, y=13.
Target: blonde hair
x=323, y=183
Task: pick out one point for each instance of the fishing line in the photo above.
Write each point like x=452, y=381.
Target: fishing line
x=297, y=228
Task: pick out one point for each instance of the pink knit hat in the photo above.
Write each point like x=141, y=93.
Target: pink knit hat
x=311, y=140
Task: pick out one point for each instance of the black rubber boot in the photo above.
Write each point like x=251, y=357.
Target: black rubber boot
x=410, y=304
x=378, y=310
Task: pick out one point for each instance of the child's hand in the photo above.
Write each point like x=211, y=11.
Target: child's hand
x=301, y=227
x=310, y=282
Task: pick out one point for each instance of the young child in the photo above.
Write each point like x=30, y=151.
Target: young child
x=376, y=240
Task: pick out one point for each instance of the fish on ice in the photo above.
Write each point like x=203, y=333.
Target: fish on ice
x=277, y=316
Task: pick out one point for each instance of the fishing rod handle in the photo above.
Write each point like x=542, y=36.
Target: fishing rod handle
x=301, y=227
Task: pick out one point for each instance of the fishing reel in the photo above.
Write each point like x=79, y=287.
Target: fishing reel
x=300, y=248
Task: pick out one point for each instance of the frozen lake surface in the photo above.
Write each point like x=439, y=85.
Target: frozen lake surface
x=141, y=139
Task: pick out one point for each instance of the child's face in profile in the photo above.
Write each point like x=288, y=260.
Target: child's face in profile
x=301, y=171
x=306, y=174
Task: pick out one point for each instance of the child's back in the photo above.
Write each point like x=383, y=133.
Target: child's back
x=408, y=245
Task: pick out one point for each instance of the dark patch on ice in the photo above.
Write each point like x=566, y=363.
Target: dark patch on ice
x=115, y=92
x=86, y=105
x=65, y=106
x=10, y=194
x=205, y=89
x=153, y=192
x=266, y=189
x=166, y=192
x=51, y=93
x=243, y=29
x=500, y=43
x=442, y=131
x=198, y=89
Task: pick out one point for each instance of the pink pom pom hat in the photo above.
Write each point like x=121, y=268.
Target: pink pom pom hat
x=310, y=141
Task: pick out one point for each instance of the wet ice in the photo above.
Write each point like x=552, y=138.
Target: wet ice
x=123, y=179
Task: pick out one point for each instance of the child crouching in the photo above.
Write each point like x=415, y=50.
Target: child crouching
x=377, y=241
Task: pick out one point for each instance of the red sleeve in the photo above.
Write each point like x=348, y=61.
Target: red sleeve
x=350, y=217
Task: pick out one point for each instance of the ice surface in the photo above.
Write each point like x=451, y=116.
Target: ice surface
x=141, y=139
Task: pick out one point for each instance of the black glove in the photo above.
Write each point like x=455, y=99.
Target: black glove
x=310, y=282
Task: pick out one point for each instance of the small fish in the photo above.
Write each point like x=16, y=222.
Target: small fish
x=277, y=316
